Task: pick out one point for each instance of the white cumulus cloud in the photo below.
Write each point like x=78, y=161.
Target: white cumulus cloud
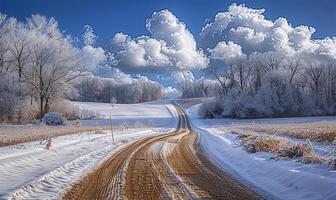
x=170, y=46
x=92, y=56
x=120, y=77
x=227, y=52
x=249, y=29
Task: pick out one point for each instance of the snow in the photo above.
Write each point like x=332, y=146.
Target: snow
x=30, y=171
x=273, y=179
x=158, y=113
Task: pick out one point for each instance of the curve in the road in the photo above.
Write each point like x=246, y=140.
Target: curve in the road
x=168, y=166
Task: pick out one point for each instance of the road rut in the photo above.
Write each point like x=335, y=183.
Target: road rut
x=168, y=166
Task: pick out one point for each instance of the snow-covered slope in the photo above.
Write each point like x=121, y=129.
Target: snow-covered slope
x=157, y=113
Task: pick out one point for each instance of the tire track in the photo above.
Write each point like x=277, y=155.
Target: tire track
x=168, y=166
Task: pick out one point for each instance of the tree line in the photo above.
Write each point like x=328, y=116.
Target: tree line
x=107, y=90
x=272, y=85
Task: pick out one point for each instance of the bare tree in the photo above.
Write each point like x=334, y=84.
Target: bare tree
x=55, y=63
x=204, y=87
x=294, y=67
x=312, y=77
x=18, y=49
x=240, y=73
x=330, y=82
x=220, y=77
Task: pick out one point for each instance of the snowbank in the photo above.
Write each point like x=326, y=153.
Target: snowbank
x=273, y=179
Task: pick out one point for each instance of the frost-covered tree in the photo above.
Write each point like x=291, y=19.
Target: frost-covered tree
x=38, y=62
x=98, y=89
x=55, y=62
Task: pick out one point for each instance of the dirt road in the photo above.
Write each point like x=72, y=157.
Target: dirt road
x=168, y=166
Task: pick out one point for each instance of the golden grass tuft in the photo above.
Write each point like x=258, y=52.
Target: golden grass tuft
x=317, y=131
x=280, y=147
x=255, y=143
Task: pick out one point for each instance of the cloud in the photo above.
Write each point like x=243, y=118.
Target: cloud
x=143, y=52
x=117, y=77
x=171, y=93
x=120, y=77
x=181, y=76
x=240, y=24
x=170, y=47
x=227, y=52
x=93, y=56
x=249, y=29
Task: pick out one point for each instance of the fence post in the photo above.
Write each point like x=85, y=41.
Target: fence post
x=111, y=130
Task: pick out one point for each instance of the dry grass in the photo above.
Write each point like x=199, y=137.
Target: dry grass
x=255, y=143
x=280, y=147
x=320, y=131
x=11, y=136
x=17, y=135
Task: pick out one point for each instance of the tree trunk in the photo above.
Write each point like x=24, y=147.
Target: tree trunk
x=46, y=105
x=41, y=107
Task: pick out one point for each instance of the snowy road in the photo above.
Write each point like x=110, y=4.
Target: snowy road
x=160, y=167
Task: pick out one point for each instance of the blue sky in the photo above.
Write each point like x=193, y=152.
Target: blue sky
x=128, y=16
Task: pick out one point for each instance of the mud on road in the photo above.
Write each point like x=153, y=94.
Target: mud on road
x=167, y=166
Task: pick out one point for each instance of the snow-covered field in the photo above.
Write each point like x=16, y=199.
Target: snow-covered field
x=285, y=179
x=156, y=113
x=30, y=171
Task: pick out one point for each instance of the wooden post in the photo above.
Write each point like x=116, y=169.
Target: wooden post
x=111, y=130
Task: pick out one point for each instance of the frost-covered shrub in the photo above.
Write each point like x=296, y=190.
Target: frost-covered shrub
x=53, y=118
x=65, y=107
x=29, y=111
x=211, y=109
x=241, y=105
x=85, y=114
